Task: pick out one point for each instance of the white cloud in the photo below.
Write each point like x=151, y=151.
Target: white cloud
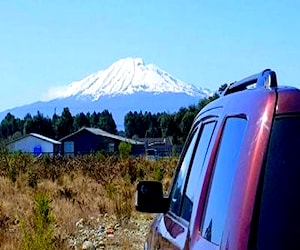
x=56, y=92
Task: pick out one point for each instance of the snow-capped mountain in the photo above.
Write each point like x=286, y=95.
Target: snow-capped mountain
x=127, y=85
x=125, y=77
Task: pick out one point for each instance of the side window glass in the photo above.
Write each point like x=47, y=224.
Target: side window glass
x=222, y=179
x=279, y=217
x=177, y=189
x=193, y=186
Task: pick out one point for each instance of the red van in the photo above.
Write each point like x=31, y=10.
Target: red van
x=237, y=184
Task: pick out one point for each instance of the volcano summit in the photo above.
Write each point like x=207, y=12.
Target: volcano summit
x=127, y=85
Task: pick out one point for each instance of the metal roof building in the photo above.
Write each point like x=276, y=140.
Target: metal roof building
x=90, y=140
x=34, y=144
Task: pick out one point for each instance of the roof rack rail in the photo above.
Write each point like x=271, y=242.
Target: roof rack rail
x=265, y=79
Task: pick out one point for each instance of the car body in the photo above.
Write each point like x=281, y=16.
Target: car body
x=237, y=183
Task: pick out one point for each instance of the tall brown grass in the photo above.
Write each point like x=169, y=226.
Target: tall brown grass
x=78, y=187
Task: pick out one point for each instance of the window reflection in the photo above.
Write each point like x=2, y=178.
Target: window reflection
x=222, y=179
x=177, y=190
x=194, y=184
x=279, y=218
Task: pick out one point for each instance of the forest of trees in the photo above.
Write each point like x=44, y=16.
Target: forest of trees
x=136, y=124
x=177, y=125
x=56, y=127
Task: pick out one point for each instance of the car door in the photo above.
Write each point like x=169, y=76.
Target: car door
x=223, y=222
x=220, y=184
x=173, y=227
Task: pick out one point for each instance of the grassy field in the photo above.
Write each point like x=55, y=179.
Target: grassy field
x=43, y=198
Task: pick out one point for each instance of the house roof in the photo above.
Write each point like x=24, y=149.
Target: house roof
x=44, y=138
x=100, y=132
x=41, y=137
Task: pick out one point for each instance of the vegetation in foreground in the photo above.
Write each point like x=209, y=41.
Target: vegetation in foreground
x=43, y=198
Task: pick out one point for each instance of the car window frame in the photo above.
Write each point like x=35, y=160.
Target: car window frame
x=197, y=129
x=210, y=173
x=194, y=132
x=192, y=166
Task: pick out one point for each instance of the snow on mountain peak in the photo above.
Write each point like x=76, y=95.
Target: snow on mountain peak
x=127, y=76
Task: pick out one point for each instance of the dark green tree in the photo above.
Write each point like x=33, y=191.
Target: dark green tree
x=81, y=120
x=153, y=132
x=203, y=102
x=64, y=124
x=167, y=124
x=55, y=121
x=10, y=125
x=186, y=123
x=136, y=124
x=130, y=125
x=27, y=123
x=107, y=123
x=94, y=119
x=38, y=124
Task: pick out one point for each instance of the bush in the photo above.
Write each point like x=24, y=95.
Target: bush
x=158, y=174
x=124, y=150
x=85, y=185
x=40, y=237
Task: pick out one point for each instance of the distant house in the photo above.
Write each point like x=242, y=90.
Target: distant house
x=90, y=140
x=35, y=144
x=158, y=147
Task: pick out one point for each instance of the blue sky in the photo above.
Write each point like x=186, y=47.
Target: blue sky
x=207, y=43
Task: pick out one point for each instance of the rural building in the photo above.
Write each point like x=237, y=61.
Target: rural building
x=35, y=144
x=90, y=140
x=158, y=147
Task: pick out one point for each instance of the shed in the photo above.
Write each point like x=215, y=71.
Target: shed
x=159, y=147
x=90, y=140
x=35, y=144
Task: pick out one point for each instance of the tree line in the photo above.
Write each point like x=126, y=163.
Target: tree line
x=177, y=125
x=136, y=124
x=56, y=127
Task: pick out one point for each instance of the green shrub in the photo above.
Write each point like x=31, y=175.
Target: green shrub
x=158, y=173
x=124, y=150
x=40, y=236
x=100, y=156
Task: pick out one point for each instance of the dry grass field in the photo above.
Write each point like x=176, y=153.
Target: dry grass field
x=42, y=199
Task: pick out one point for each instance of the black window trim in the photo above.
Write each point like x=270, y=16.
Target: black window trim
x=198, y=125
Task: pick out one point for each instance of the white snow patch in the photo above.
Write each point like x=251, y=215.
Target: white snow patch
x=125, y=76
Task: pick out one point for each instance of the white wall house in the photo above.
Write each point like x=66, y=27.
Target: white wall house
x=35, y=144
